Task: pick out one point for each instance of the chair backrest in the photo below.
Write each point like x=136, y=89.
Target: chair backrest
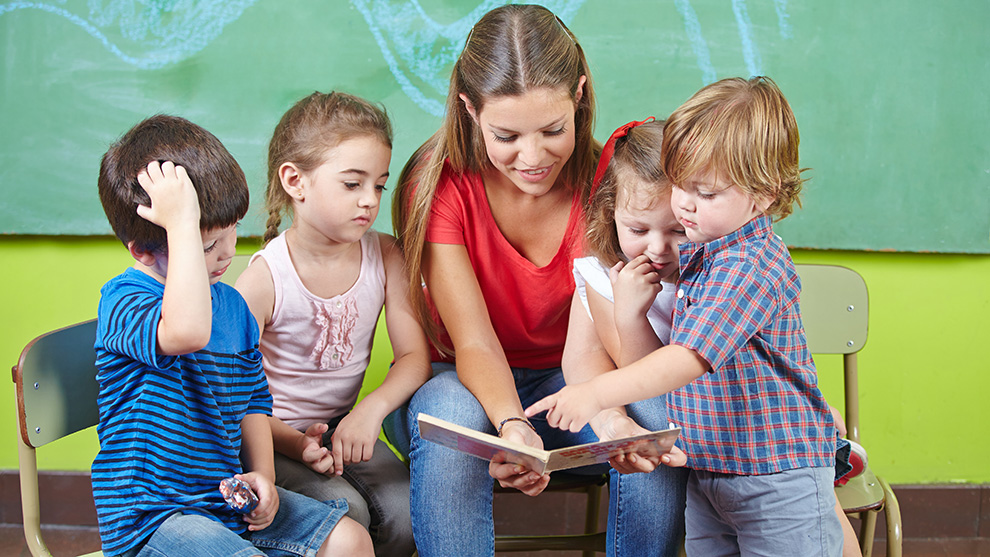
x=835, y=312
x=55, y=381
x=834, y=308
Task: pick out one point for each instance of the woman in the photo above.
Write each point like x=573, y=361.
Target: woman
x=489, y=212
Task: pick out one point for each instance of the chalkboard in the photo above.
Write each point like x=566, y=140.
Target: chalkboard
x=891, y=96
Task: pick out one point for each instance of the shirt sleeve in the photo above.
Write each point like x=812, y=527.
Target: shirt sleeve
x=130, y=316
x=719, y=317
x=447, y=214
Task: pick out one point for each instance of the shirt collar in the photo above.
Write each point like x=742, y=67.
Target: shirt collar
x=758, y=227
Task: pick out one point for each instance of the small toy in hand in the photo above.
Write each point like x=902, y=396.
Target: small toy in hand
x=238, y=495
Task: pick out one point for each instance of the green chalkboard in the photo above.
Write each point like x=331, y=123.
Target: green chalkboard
x=891, y=96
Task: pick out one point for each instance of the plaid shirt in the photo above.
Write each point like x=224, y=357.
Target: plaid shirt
x=759, y=410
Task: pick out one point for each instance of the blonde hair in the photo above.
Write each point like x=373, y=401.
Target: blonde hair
x=512, y=50
x=741, y=129
x=305, y=135
x=637, y=153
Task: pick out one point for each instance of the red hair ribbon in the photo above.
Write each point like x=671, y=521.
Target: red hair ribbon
x=609, y=149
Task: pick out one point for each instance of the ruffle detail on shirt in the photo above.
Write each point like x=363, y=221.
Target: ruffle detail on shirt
x=336, y=319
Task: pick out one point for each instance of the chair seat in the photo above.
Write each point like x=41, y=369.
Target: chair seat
x=565, y=481
x=861, y=493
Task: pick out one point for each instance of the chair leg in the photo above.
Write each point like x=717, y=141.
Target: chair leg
x=892, y=514
x=591, y=514
x=27, y=464
x=866, y=530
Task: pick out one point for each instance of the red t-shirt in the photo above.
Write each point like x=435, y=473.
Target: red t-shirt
x=528, y=305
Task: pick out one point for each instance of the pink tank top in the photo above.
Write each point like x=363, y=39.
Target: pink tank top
x=316, y=350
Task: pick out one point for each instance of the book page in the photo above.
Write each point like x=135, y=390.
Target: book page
x=486, y=446
x=481, y=445
x=655, y=443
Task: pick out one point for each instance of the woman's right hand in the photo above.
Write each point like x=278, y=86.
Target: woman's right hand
x=514, y=475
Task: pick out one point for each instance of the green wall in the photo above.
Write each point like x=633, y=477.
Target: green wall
x=923, y=372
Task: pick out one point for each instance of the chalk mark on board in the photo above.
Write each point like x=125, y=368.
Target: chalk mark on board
x=166, y=30
x=419, y=50
x=750, y=51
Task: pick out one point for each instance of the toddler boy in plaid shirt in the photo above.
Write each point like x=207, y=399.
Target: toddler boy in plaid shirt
x=756, y=429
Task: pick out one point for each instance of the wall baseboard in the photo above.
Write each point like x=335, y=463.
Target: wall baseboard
x=957, y=512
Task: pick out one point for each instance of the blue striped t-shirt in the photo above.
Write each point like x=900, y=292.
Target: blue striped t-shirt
x=170, y=426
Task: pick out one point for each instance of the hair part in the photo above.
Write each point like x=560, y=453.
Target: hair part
x=306, y=134
x=637, y=156
x=746, y=133
x=511, y=50
x=218, y=179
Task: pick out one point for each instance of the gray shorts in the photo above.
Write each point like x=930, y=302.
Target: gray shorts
x=788, y=513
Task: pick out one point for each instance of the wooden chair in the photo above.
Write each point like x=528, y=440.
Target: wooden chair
x=55, y=382
x=835, y=312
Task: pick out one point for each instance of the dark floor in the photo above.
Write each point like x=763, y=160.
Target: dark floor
x=937, y=520
x=73, y=541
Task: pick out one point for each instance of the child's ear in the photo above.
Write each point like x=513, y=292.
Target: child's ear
x=469, y=107
x=764, y=202
x=141, y=255
x=292, y=180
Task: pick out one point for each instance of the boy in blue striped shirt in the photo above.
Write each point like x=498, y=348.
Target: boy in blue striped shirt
x=757, y=432
x=183, y=399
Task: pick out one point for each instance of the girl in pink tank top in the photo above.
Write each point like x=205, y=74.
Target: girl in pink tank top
x=317, y=290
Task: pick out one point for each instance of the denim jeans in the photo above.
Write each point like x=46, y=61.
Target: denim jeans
x=451, y=492
x=300, y=528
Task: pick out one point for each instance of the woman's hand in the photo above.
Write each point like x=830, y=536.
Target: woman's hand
x=514, y=475
x=611, y=424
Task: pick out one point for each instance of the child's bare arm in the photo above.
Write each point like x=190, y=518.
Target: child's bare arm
x=187, y=316
x=355, y=437
x=258, y=290
x=259, y=466
x=660, y=372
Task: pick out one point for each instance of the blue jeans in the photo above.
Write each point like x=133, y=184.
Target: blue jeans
x=451, y=492
x=300, y=528
x=787, y=513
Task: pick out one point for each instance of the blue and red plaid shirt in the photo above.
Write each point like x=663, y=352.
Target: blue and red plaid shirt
x=758, y=410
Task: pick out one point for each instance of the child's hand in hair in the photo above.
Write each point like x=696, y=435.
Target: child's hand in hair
x=635, y=285
x=173, y=197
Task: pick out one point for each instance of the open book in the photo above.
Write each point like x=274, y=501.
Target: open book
x=486, y=446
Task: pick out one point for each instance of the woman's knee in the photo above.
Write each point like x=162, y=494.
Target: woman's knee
x=445, y=397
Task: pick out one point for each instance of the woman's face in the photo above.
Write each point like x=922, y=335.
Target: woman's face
x=530, y=137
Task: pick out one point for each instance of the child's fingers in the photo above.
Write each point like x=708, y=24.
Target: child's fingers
x=545, y=404
x=338, y=456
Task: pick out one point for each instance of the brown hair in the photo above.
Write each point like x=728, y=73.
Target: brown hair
x=512, y=50
x=219, y=181
x=741, y=129
x=637, y=153
x=307, y=132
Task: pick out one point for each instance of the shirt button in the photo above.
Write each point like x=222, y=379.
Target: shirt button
x=339, y=303
x=335, y=356
x=680, y=293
